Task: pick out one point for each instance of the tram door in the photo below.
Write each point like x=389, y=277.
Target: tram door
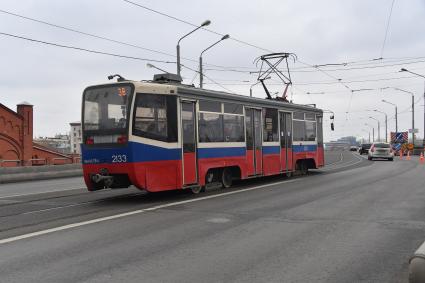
x=188, y=122
x=253, y=128
x=285, y=141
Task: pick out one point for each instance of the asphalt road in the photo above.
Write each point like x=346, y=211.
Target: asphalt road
x=353, y=221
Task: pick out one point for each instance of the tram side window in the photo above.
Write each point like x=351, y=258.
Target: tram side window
x=233, y=108
x=270, y=128
x=310, y=130
x=209, y=106
x=299, y=115
x=210, y=127
x=155, y=117
x=310, y=116
x=319, y=130
x=299, y=130
x=233, y=128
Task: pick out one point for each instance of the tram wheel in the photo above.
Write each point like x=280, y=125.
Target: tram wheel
x=304, y=169
x=197, y=189
x=226, y=178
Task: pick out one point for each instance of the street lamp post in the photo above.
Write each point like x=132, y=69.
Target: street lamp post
x=373, y=132
x=368, y=132
x=386, y=123
x=379, y=127
x=413, y=109
x=396, y=114
x=207, y=22
x=201, y=75
x=422, y=76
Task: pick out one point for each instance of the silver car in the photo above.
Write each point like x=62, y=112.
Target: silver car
x=381, y=150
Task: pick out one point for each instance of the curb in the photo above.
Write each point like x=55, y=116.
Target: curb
x=32, y=176
x=417, y=265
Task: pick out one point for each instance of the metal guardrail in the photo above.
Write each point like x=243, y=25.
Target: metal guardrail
x=40, y=161
x=61, y=158
x=37, y=159
x=8, y=161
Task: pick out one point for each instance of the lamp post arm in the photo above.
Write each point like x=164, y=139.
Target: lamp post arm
x=178, y=42
x=209, y=47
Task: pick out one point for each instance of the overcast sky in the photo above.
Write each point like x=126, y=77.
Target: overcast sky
x=318, y=32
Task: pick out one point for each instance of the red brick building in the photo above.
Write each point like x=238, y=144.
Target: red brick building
x=16, y=140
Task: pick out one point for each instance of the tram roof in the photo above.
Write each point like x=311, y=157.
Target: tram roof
x=191, y=91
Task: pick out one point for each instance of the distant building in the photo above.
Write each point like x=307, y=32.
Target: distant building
x=75, y=137
x=59, y=142
x=17, y=147
x=349, y=140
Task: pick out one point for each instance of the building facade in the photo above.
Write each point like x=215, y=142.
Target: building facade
x=17, y=147
x=75, y=137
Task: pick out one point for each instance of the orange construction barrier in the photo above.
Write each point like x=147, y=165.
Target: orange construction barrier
x=421, y=158
x=401, y=153
x=408, y=155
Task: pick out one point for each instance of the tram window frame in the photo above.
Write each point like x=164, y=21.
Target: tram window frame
x=232, y=108
x=225, y=110
x=210, y=106
x=319, y=130
x=210, y=131
x=310, y=133
x=298, y=115
x=233, y=131
x=298, y=130
x=270, y=125
x=169, y=104
x=310, y=117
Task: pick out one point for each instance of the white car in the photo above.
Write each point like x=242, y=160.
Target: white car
x=381, y=150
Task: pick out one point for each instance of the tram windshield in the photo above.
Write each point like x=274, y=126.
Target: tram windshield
x=106, y=109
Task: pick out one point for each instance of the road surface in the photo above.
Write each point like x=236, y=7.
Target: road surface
x=352, y=221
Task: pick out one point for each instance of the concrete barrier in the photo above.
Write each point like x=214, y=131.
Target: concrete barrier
x=28, y=173
x=417, y=266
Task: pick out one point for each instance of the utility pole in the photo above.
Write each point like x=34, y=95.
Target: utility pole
x=396, y=114
x=379, y=128
x=386, y=124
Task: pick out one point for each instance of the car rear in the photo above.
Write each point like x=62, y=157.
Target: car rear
x=364, y=148
x=381, y=150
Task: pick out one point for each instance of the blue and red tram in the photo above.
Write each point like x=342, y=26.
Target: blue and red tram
x=163, y=136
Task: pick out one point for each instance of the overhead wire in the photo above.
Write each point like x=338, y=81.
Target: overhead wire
x=194, y=25
x=85, y=49
x=387, y=28
x=105, y=38
x=102, y=53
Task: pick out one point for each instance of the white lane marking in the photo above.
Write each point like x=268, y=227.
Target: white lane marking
x=121, y=215
x=218, y=220
x=351, y=163
x=333, y=163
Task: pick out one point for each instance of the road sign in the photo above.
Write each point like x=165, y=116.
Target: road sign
x=399, y=137
x=414, y=131
x=397, y=146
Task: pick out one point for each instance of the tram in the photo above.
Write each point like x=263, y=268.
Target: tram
x=163, y=135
